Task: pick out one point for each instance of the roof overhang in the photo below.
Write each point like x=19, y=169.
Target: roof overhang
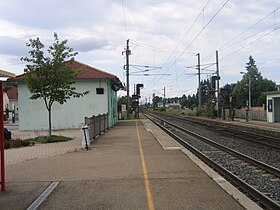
x=6, y=74
x=272, y=93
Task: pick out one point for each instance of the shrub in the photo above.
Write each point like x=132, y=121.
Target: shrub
x=51, y=139
x=17, y=143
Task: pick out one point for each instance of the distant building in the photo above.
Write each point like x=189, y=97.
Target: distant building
x=6, y=101
x=5, y=74
x=102, y=99
x=173, y=105
x=160, y=104
x=13, y=99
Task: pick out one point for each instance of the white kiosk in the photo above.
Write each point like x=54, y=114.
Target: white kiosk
x=273, y=105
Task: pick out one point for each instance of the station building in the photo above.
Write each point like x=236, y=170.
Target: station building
x=102, y=99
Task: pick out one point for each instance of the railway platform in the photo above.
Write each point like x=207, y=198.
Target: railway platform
x=261, y=127
x=134, y=165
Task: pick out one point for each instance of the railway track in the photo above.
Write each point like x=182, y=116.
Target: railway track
x=265, y=140
x=259, y=180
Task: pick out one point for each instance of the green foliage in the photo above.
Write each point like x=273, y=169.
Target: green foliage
x=184, y=101
x=8, y=86
x=209, y=110
x=189, y=102
x=51, y=139
x=258, y=86
x=157, y=99
x=47, y=77
x=123, y=100
x=198, y=112
x=207, y=94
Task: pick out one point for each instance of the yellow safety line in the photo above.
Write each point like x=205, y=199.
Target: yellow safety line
x=145, y=172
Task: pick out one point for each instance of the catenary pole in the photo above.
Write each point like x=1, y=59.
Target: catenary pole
x=199, y=85
x=218, y=84
x=127, y=78
x=164, y=98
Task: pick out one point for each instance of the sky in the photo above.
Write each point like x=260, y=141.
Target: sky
x=164, y=38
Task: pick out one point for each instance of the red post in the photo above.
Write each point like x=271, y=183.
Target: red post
x=99, y=122
x=2, y=137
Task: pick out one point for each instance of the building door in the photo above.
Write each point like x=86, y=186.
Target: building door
x=277, y=109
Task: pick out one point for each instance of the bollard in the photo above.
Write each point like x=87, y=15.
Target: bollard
x=86, y=139
x=13, y=117
x=247, y=115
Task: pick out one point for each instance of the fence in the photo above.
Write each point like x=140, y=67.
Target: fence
x=97, y=125
x=257, y=114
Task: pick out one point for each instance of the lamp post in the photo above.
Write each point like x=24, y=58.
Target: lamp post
x=249, y=101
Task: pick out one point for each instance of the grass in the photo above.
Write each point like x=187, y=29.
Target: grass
x=177, y=112
x=51, y=139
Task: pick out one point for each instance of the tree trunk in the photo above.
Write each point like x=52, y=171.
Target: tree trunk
x=50, y=121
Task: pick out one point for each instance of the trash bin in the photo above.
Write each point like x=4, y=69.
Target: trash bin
x=86, y=139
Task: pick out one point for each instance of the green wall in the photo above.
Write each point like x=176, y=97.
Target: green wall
x=113, y=100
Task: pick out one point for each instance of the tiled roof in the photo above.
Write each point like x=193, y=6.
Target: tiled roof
x=13, y=93
x=86, y=72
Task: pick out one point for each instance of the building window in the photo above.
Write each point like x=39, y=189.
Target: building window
x=269, y=105
x=99, y=91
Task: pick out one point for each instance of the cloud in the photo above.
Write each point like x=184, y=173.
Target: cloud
x=12, y=46
x=54, y=14
x=88, y=44
x=96, y=30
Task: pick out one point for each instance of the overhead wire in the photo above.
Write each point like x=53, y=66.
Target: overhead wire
x=241, y=33
x=188, y=31
x=221, y=48
x=124, y=20
x=225, y=46
x=272, y=26
x=137, y=43
x=195, y=38
x=266, y=34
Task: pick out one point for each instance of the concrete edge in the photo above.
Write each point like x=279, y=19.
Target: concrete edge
x=160, y=142
x=157, y=137
x=223, y=183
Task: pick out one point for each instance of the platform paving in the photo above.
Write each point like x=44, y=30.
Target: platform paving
x=22, y=154
x=110, y=175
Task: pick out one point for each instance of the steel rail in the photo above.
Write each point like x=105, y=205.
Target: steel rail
x=244, y=135
x=264, y=166
x=256, y=194
x=252, y=136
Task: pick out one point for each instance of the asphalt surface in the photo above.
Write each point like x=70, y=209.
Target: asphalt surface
x=110, y=176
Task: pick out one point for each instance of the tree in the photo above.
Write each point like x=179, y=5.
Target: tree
x=192, y=101
x=8, y=86
x=122, y=100
x=157, y=99
x=207, y=94
x=47, y=77
x=184, y=101
x=259, y=85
